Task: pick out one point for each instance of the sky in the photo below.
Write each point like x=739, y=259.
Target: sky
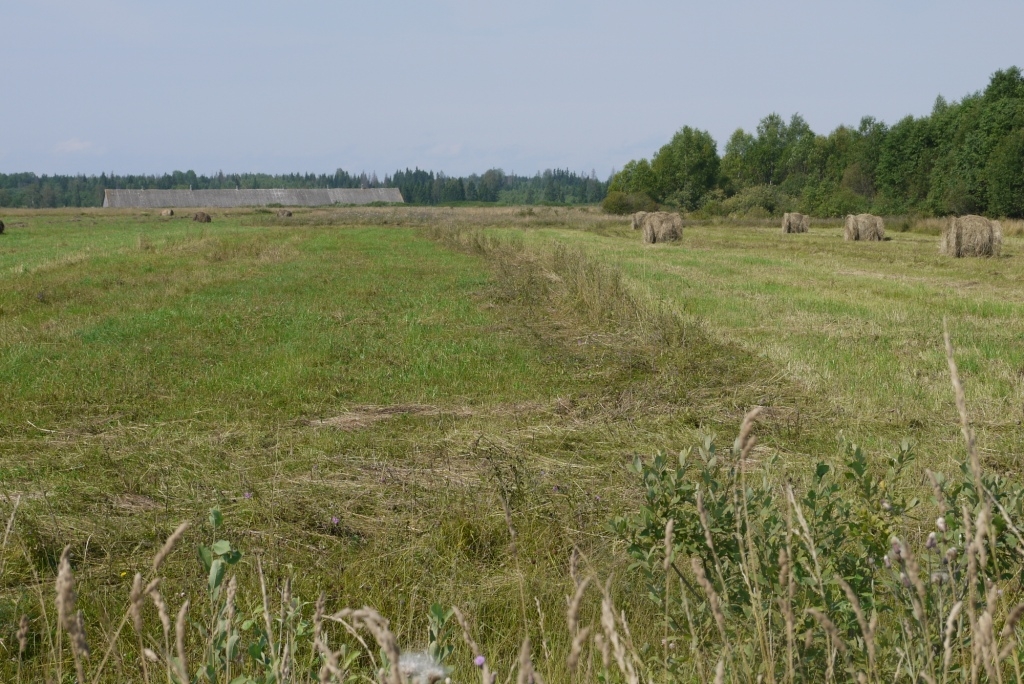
x=460, y=86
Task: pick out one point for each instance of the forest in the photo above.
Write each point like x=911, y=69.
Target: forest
x=964, y=157
x=417, y=186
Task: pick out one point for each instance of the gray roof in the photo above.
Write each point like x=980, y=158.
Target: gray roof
x=155, y=199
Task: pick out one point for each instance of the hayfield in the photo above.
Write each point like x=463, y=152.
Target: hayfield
x=373, y=397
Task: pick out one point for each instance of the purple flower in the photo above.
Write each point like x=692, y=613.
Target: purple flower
x=334, y=520
x=479, y=661
x=248, y=495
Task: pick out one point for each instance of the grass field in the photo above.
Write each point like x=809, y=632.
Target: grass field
x=362, y=392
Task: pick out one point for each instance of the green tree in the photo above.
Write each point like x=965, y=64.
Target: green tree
x=1005, y=174
x=686, y=168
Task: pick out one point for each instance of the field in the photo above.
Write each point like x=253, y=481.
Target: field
x=373, y=397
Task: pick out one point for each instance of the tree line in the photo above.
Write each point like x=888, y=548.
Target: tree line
x=964, y=157
x=417, y=186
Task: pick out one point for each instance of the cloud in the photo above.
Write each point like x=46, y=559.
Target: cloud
x=74, y=146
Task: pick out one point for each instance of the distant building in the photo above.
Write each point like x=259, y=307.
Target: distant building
x=158, y=199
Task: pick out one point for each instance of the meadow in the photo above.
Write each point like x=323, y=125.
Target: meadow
x=403, y=407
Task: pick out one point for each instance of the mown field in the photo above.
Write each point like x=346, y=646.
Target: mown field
x=370, y=397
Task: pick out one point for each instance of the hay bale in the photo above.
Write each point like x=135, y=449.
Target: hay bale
x=971, y=236
x=792, y=222
x=662, y=226
x=202, y=217
x=1, y=227
x=638, y=219
x=864, y=227
x=167, y=212
x=284, y=213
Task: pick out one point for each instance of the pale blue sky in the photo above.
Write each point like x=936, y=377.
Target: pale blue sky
x=459, y=86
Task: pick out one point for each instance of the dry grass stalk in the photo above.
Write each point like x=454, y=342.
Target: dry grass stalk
x=168, y=546
x=611, y=634
x=578, y=642
x=865, y=627
x=69, y=620
x=786, y=608
x=829, y=627
x=485, y=674
x=914, y=574
x=181, y=665
x=1009, y=627
x=709, y=589
x=947, y=642
x=379, y=627
x=573, y=613
x=720, y=671
x=525, y=674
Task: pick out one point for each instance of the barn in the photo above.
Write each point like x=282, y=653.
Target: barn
x=158, y=199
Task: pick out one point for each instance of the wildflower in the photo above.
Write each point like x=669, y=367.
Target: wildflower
x=886, y=506
x=939, y=578
x=248, y=495
x=479, y=661
x=951, y=555
x=940, y=524
x=887, y=561
x=334, y=520
x=932, y=542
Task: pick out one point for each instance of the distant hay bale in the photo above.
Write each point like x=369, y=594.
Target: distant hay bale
x=284, y=213
x=864, y=227
x=1, y=227
x=967, y=236
x=793, y=222
x=638, y=219
x=167, y=212
x=202, y=217
x=661, y=226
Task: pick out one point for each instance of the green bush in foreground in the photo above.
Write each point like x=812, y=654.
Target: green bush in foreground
x=757, y=582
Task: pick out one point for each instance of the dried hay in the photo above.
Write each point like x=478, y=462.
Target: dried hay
x=284, y=213
x=638, y=219
x=167, y=212
x=864, y=227
x=661, y=226
x=971, y=235
x=361, y=417
x=792, y=222
x=202, y=217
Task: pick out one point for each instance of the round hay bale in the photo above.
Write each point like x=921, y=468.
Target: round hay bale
x=850, y=228
x=661, y=226
x=638, y=219
x=202, y=217
x=167, y=212
x=864, y=227
x=1, y=227
x=284, y=213
x=792, y=222
x=971, y=236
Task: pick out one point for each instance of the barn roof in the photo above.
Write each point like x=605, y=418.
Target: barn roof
x=155, y=199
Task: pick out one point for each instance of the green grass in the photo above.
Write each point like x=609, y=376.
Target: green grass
x=151, y=369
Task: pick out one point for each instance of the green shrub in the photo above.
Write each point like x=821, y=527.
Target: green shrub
x=627, y=203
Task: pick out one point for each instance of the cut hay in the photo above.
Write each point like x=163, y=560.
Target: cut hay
x=971, y=236
x=793, y=222
x=284, y=213
x=638, y=219
x=661, y=226
x=864, y=227
x=202, y=217
x=167, y=212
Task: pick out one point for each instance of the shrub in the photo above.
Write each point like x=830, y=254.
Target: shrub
x=627, y=203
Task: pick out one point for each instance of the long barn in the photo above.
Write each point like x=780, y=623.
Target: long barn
x=158, y=199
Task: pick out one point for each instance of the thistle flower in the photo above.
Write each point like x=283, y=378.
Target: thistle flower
x=479, y=661
x=932, y=542
x=887, y=561
x=940, y=524
x=421, y=668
